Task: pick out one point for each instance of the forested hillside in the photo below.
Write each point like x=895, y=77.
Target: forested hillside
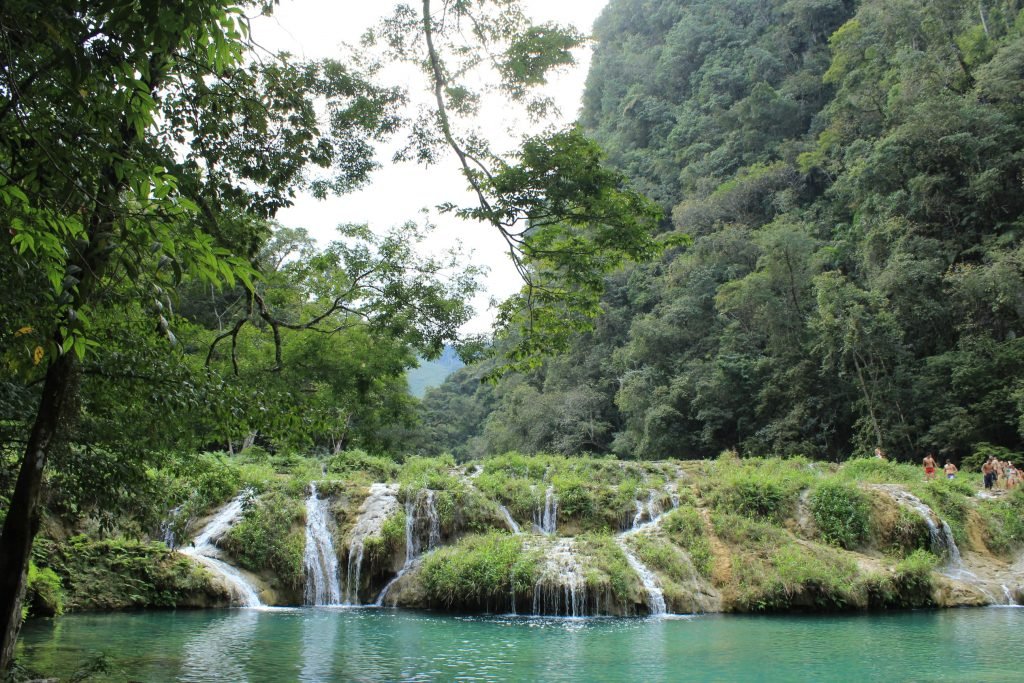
x=850, y=177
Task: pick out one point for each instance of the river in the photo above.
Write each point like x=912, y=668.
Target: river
x=325, y=644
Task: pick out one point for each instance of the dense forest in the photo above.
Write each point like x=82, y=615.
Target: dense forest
x=849, y=179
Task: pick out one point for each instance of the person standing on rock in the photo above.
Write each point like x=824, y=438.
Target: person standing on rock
x=989, y=472
x=950, y=469
x=929, y=467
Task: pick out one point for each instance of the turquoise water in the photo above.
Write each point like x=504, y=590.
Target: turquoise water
x=314, y=644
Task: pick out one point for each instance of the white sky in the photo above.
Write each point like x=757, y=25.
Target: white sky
x=397, y=193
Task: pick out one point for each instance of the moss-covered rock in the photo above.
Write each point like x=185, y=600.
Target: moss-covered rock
x=123, y=574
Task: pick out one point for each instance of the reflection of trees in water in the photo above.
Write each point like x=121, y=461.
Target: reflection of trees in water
x=220, y=651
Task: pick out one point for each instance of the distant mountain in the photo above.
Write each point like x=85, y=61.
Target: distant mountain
x=432, y=373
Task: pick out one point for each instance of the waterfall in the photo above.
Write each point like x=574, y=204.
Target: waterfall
x=167, y=527
x=941, y=536
x=547, y=521
x=942, y=544
x=319, y=559
x=673, y=492
x=204, y=549
x=653, y=511
x=415, y=525
x=380, y=503
x=561, y=588
x=655, y=596
x=653, y=506
x=512, y=526
x=639, y=516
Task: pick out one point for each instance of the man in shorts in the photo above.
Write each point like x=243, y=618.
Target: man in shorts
x=929, y=467
x=989, y=471
x=950, y=469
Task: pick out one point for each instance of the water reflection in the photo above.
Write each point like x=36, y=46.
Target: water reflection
x=319, y=636
x=330, y=644
x=219, y=651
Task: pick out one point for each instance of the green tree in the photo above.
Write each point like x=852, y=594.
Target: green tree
x=567, y=219
x=140, y=145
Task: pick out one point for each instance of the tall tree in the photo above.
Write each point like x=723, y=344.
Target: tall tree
x=566, y=218
x=139, y=142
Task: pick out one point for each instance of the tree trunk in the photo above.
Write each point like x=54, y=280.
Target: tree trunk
x=23, y=515
x=870, y=403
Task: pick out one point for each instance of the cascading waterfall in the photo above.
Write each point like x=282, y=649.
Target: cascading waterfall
x=650, y=511
x=512, y=526
x=380, y=503
x=639, y=516
x=942, y=542
x=653, y=506
x=941, y=536
x=561, y=588
x=546, y=521
x=415, y=525
x=673, y=493
x=204, y=549
x=655, y=596
x=167, y=527
x=319, y=559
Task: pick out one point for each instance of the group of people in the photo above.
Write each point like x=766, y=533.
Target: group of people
x=996, y=473
x=1000, y=474
x=930, y=466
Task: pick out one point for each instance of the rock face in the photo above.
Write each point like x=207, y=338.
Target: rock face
x=381, y=503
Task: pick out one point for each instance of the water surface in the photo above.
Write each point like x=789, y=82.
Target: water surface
x=324, y=644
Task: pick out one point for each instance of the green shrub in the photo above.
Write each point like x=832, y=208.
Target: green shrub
x=517, y=466
x=258, y=476
x=606, y=566
x=663, y=557
x=842, y=513
x=789, y=575
x=875, y=471
x=357, y=462
x=288, y=462
x=909, y=534
x=479, y=572
x=685, y=527
x=428, y=473
x=518, y=495
x=575, y=499
x=913, y=578
x=44, y=593
x=825, y=579
x=392, y=533
x=743, y=531
x=761, y=489
x=270, y=536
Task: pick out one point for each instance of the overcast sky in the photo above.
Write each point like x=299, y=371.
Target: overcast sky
x=316, y=29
